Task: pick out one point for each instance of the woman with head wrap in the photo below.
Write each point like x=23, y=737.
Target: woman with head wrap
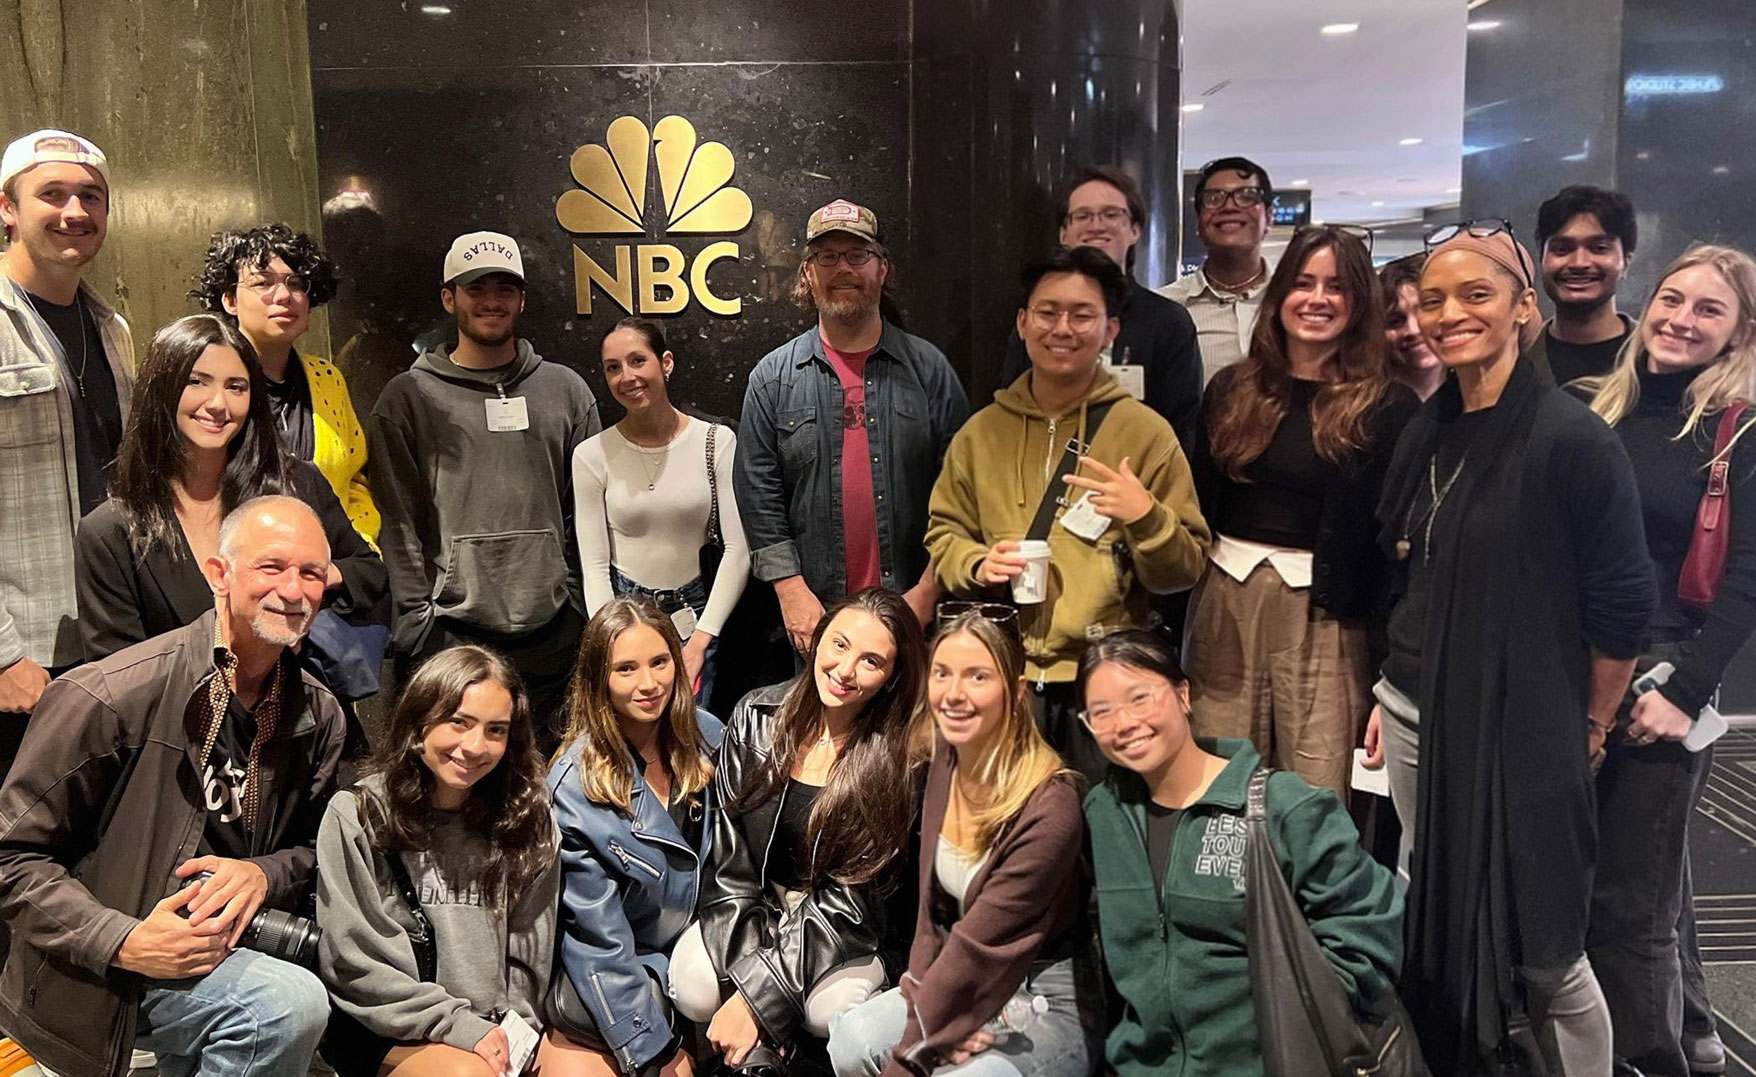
x=1525, y=589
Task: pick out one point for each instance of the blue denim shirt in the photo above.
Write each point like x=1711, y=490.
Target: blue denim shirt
x=788, y=476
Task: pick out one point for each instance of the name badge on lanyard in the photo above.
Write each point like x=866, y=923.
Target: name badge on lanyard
x=506, y=414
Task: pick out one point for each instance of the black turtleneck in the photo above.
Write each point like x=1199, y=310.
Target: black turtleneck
x=1672, y=475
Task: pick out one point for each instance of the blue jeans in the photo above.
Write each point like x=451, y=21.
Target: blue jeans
x=692, y=594
x=253, y=1016
x=1065, y=1042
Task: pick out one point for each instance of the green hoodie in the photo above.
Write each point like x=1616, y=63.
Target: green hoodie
x=1178, y=960
x=995, y=474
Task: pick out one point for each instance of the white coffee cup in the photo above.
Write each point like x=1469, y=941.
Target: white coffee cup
x=1032, y=585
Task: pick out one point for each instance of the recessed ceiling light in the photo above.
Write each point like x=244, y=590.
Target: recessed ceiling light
x=1375, y=204
x=1485, y=24
x=1643, y=155
x=435, y=9
x=1194, y=106
x=1341, y=28
x=1454, y=190
x=1409, y=142
x=1720, y=170
x=1301, y=183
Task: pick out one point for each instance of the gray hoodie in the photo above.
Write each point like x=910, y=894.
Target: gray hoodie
x=488, y=960
x=478, y=524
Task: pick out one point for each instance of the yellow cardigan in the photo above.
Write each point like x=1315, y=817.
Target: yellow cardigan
x=340, y=444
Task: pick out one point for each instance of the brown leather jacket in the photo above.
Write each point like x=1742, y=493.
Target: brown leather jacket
x=103, y=804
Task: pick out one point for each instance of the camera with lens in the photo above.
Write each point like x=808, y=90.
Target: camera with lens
x=279, y=934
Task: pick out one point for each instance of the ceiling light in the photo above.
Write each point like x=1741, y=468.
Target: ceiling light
x=1454, y=190
x=1335, y=28
x=1485, y=24
x=1301, y=183
x=1720, y=170
x=1409, y=142
x=1194, y=106
x=1376, y=204
x=1643, y=155
x=435, y=9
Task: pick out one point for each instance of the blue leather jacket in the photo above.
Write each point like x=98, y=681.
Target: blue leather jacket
x=628, y=889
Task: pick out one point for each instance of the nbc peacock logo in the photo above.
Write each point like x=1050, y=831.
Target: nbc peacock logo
x=695, y=197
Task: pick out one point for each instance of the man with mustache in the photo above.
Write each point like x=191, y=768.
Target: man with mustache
x=1587, y=236
x=1233, y=212
x=472, y=451
x=65, y=358
x=844, y=429
x=207, y=751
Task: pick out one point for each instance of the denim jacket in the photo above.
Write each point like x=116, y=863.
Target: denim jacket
x=788, y=476
x=628, y=890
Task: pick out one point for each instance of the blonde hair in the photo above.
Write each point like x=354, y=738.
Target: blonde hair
x=1020, y=760
x=605, y=769
x=1728, y=379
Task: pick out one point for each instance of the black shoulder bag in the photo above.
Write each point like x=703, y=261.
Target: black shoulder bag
x=1303, y=1013
x=421, y=938
x=714, y=549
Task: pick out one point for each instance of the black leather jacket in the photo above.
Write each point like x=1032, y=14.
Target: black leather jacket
x=773, y=957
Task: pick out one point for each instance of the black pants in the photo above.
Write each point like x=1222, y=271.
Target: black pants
x=544, y=659
x=1056, y=706
x=1646, y=795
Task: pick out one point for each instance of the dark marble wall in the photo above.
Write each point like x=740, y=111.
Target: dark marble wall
x=952, y=120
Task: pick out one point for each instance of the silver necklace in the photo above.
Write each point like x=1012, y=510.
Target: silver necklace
x=664, y=452
x=1437, y=492
x=84, y=341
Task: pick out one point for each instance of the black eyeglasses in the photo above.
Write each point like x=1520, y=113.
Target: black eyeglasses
x=855, y=258
x=1242, y=197
x=1357, y=231
x=1480, y=228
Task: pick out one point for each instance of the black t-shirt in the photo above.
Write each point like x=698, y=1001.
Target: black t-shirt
x=290, y=402
x=97, y=409
x=1408, y=620
x=788, y=857
x=1281, y=504
x=1161, y=830
x=223, y=784
x=1570, y=361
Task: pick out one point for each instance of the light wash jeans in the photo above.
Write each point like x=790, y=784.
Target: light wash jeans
x=1065, y=1042
x=254, y=1016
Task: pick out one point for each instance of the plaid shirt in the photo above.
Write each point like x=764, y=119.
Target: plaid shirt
x=39, y=479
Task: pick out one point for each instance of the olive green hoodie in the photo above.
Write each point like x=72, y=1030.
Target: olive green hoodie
x=995, y=474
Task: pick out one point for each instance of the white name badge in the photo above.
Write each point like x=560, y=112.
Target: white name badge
x=522, y=1039
x=684, y=622
x=506, y=415
x=1085, y=521
x=1133, y=379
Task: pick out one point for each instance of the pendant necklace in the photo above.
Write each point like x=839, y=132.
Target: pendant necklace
x=84, y=341
x=1437, y=494
x=664, y=451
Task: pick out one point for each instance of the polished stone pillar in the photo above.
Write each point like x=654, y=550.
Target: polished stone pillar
x=204, y=110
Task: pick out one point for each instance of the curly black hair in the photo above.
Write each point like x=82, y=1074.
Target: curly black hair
x=257, y=247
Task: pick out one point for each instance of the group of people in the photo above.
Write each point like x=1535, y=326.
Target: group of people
x=1273, y=513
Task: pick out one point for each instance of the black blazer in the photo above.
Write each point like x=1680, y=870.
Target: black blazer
x=124, y=600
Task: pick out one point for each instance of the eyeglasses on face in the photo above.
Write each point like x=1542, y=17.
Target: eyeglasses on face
x=1142, y=702
x=1242, y=197
x=855, y=258
x=1357, y=231
x=1111, y=215
x=266, y=284
x=1045, y=319
x=1480, y=228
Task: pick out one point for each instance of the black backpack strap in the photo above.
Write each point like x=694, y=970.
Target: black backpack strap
x=425, y=945
x=1045, y=517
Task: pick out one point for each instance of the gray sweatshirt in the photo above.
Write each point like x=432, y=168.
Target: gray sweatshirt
x=488, y=961
x=478, y=523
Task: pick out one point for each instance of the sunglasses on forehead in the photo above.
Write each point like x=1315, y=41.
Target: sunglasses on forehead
x=1002, y=616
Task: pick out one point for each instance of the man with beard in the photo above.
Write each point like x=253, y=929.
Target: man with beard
x=65, y=358
x=1154, y=357
x=843, y=432
x=471, y=454
x=1233, y=213
x=1587, y=237
x=163, y=797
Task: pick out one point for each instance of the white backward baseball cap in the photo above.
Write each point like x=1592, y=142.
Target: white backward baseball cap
x=47, y=146
x=479, y=253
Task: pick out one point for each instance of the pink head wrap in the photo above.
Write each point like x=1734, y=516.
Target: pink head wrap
x=1510, y=255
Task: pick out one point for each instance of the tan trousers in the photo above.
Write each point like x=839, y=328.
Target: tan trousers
x=1266, y=666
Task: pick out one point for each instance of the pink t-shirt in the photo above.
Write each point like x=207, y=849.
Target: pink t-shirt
x=859, y=511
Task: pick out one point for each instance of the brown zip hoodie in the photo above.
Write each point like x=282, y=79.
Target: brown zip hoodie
x=995, y=474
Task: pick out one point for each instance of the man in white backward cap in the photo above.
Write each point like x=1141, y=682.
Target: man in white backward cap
x=65, y=377
x=471, y=453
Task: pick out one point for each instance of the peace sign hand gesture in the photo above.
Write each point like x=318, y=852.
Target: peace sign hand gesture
x=1116, y=492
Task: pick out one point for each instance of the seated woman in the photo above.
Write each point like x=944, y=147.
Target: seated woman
x=1004, y=890
x=630, y=789
x=452, y=812
x=812, y=783
x=1167, y=899
x=199, y=442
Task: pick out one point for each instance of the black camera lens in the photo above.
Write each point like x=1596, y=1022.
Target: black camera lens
x=283, y=935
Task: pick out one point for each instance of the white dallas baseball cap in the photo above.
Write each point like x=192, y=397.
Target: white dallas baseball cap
x=480, y=253
x=49, y=145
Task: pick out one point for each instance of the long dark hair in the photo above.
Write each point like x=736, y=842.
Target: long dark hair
x=860, y=821
x=153, y=454
x=1262, y=389
x=508, y=807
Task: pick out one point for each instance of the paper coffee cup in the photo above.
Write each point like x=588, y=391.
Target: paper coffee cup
x=1032, y=585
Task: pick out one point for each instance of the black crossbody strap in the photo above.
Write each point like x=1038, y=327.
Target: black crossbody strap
x=1045, y=517
x=425, y=945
